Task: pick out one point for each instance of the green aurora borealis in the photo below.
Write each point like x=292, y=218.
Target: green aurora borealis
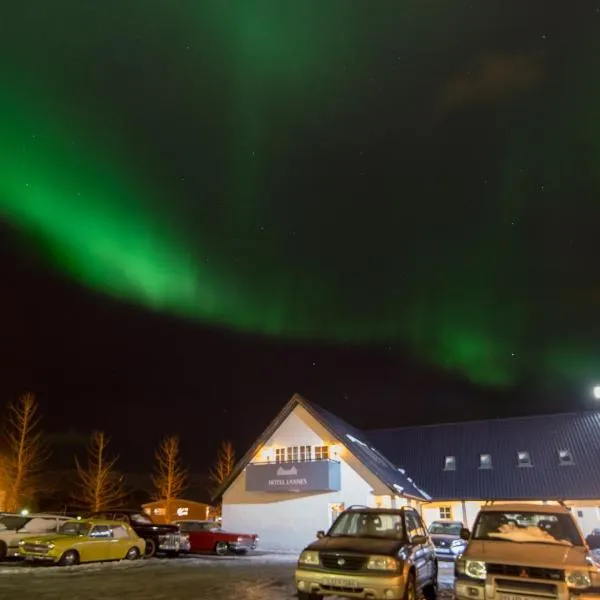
x=415, y=174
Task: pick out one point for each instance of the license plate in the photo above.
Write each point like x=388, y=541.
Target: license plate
x=169, y=547
x=512, y=597
x=342, y=583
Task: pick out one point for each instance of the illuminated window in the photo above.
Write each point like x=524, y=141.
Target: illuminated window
x=305, y=453
x=445, y=512
x=485, y=461
x=321, y=452
x=565, y=457
x=523, y=459
x=292, y=454
x=279, y=455
x=450, y=463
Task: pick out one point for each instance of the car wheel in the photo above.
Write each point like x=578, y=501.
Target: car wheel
x=132, y=554
x=410, y=592
x=430, y=591
x=221, y=548
x=3, y=550
x=150, y=548
x=69, y=558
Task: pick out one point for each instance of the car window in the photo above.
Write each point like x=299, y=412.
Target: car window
x=414, y=527
x=13, y=522
x=527, y=527
x=445, y=528
x=141, y=519
x=368, y=524
x=101, y=531
x=119, y=532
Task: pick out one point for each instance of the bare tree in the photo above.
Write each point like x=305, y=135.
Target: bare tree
x=223, y=466
x=26, y=451
x=100, y=485
x=170, y=479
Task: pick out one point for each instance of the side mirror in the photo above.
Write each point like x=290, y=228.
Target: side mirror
x=465, y=534
x=419, y=540
x=320, y=534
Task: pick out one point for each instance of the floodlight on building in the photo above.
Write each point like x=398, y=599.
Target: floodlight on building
x=596, y=392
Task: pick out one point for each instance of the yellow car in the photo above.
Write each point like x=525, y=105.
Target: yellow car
x=81, y=541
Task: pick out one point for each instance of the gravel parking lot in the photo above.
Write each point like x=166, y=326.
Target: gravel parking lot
x=256, y=577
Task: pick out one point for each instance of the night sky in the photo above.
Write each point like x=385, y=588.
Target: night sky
x=391, y=208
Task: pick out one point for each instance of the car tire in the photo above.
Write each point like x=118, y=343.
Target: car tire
x=69, y=558
x=3, y=550
x=308, y=596
x=221, y=548
x=430, y=591
x=132, y=554
x=150, y=548
x=410, y=591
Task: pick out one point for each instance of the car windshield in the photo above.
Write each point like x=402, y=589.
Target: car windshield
x=75, y=528
x=13, y=522
x=141, y=519
x=527, y=527
x=445, y=528
x=368, y=524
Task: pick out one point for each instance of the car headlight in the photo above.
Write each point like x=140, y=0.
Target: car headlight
x=240, y=539
x=50, y=546
x=382, y=563
x=578, y=579
x=472, y=568
x=309, y=557
x=456, y=543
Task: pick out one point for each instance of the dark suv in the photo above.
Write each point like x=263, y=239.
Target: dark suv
x=375, y=553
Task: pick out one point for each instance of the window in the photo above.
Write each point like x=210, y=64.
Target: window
x=305, y=453
x=450, y=463
x=321, y=452
x=279, y=455
x=565, y=458
x=485, y=461
x=100, y=531
x=414, y=526
x=445, y=512
x=119, y=532
x=523, y=459
x=292, y=454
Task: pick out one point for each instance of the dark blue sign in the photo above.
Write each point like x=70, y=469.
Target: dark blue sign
x=312, y=476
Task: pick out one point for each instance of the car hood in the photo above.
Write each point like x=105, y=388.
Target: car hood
x=364, y=545
x=52, y=538
x=526, y=554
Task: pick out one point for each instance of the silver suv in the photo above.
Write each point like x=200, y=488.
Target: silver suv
x=526, y=552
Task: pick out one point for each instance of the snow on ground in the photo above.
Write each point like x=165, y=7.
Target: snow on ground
x=255, y=577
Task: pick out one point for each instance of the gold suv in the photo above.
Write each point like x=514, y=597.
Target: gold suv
x=526, y=552
x=372, y=553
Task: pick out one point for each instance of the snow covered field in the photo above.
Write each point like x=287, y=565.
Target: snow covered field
x=257, y=577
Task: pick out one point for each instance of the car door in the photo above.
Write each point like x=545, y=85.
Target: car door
x=428, y=547
x=98, y=546
x=419, y=553
x=121, y=542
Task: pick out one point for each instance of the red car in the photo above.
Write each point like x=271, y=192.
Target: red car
x=207, y=536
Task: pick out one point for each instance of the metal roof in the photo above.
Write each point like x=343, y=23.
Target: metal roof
x=423, y=451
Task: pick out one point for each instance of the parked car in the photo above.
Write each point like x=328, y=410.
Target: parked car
x=445, y=535
x=208, y=536
x=370, y=553
x=526, y=551
x=89, y=540
x=593, y=539
x=16, y=527
x=160, y=538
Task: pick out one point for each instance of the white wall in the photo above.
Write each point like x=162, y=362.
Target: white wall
x=289, y=521
x=588, y=517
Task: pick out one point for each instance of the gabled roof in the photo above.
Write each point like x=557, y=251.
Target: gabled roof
x=353, y=439
x=423, y=450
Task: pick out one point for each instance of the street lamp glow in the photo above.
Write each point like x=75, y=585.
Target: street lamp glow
x=596, y=392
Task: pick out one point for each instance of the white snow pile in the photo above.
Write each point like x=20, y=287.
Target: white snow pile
x=526, y=534
x=356, y=440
